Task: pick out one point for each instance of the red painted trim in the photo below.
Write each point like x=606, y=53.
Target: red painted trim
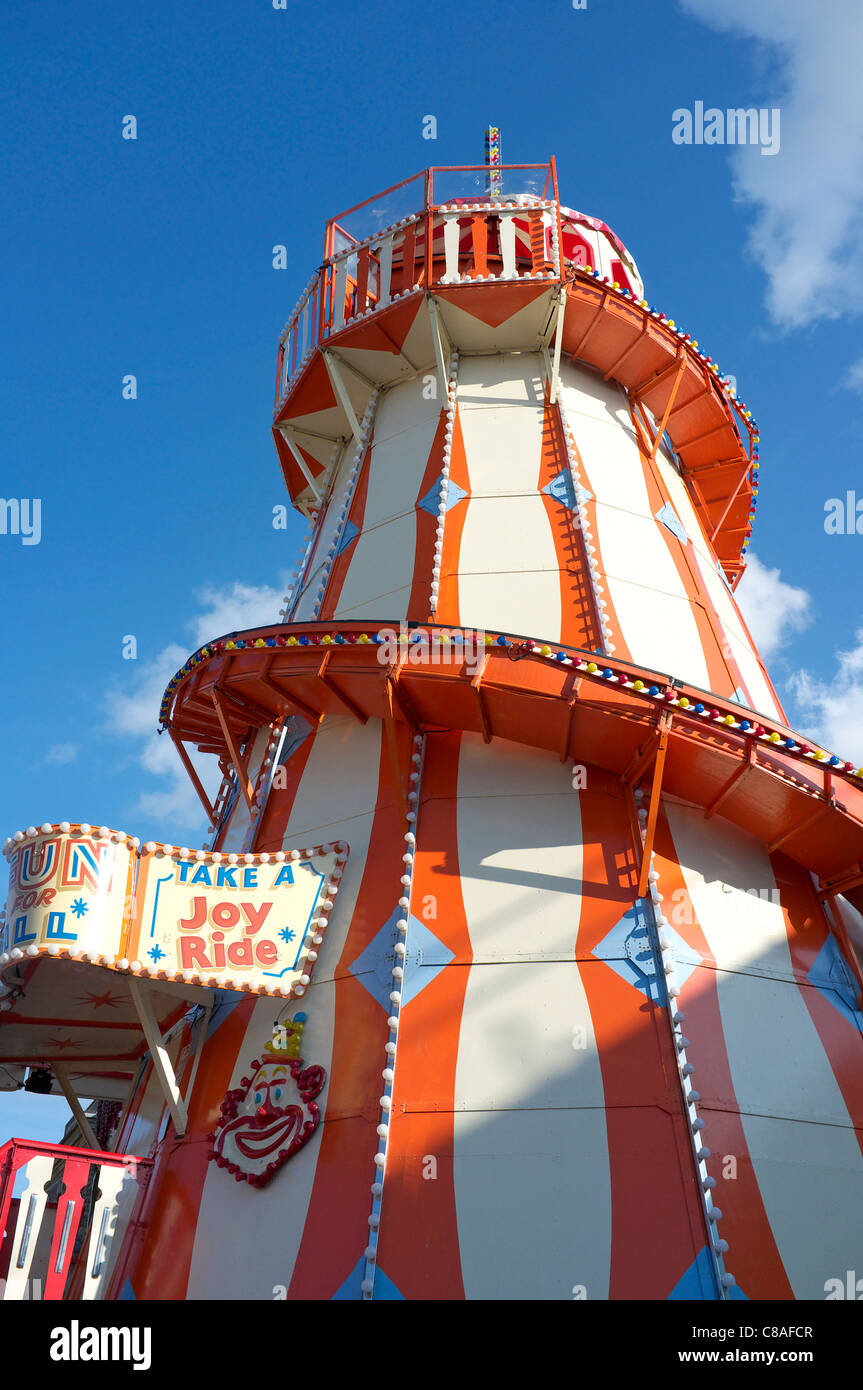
x=753, y=1254
x=658, y=1226
x=418, y=1244
x=336, y=1227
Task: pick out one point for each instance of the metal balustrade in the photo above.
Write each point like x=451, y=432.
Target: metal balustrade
x=507, y=237
x=61, y=1237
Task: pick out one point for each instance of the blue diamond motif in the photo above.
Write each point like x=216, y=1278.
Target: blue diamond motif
x=426, y=957
x=699, y=1282
x=628, y=950
x=739, y=695
x=562, y=490
x=350, y=532
x=830, y=975
x=431, y=501
x=668, y=516
x=385, y=1289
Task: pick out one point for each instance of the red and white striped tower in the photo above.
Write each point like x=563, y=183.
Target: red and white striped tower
x=588, y=1002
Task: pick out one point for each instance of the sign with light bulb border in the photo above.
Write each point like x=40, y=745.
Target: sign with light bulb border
x=250, y=922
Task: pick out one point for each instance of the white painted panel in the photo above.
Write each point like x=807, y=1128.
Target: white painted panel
x=683, y=505
x=523, y=604
x=511, y=534
x=396, y=472
x=391, y=607
x=379, y=578
x=734, y=633
x=515, y=380
x=503, y=446
x=658, y=629
x=339, y=785
x=718, y=593
x=508, y=569
x=815, y=1195
x=403, y=407
x=649, y=596
x=531, y=1167
x=806, y=1157
x=600, y=420
x=586, y=396
x=736, y=885
x=523, y=878
x=532, y=1184
x=381, y=568
x=263, y=1227
x=651, y=603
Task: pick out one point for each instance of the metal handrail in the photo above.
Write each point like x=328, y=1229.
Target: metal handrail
x=79, y=1216
x=336, y=293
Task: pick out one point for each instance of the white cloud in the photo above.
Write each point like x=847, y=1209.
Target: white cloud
x=774, y=610
x=59, y=755
x=133, y=710
x=234, y=608
x=133, y=715
x=853, y=378
x=808, y=199
x=832, y=710
x=828, y=711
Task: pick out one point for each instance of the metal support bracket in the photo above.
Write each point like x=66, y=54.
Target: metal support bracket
x=333, y=367
x=558, y=344
x=159, y=1055
x=438, y=340
x=300, y=461
x=240, y=767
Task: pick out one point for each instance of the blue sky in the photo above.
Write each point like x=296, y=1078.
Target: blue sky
x=154, y=257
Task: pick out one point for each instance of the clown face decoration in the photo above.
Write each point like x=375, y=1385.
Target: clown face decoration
x=272, y=1113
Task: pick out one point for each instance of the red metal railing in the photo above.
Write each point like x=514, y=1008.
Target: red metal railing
x=75, y=1208
x=436, y=241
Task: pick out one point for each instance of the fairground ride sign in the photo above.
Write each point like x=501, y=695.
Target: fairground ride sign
x=249, y=922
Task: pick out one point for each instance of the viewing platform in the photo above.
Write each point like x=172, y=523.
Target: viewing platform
x=506, y=272
x=713, y=753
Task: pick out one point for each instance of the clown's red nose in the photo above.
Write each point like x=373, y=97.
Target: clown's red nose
x=264, y=1111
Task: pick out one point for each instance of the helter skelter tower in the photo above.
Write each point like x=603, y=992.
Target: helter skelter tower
x=587, y=1005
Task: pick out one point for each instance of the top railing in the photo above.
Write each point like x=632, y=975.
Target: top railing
x=437, y=227
x=429, y=190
